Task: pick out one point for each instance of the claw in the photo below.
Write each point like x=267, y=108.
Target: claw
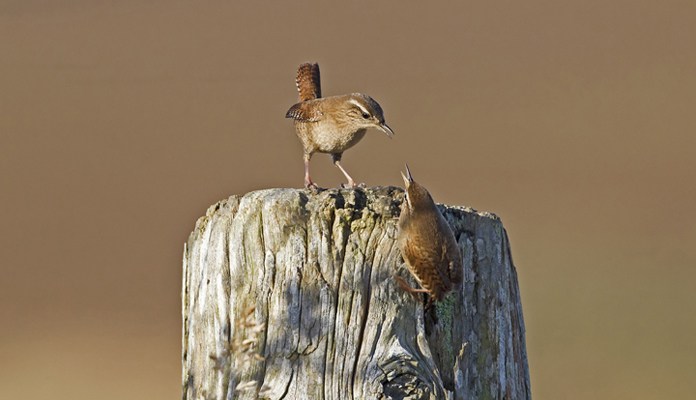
x=353, y=185
x=314, y=188
x=407, y=288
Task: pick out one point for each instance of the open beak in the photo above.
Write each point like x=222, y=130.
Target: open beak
x=386, y=129
x=408, y=179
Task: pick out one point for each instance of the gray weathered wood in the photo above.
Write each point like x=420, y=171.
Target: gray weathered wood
x=315, y=274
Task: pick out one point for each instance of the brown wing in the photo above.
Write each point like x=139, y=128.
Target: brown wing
x=451, y=254
x=425, y=262
x=308, y=81
x=304, y=112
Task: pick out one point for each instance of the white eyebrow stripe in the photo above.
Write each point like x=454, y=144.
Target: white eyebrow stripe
x=360, y=106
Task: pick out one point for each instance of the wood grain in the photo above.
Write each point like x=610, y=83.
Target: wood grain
x=317, y=272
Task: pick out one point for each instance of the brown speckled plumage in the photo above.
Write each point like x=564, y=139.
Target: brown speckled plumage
x=331, y=124
x=427, y=243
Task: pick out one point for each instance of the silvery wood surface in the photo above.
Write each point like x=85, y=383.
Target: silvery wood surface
x=317, y=271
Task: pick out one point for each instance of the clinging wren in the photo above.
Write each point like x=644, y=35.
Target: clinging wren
x=427, y=243
x=331, y=124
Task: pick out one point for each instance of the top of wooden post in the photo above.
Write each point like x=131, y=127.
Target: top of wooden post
x=317, y=272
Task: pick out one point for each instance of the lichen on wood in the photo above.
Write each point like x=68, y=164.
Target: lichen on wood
x=316, y=270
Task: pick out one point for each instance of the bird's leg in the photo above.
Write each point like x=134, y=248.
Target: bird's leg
x=415, y=292
x=307, y=179
x=406, y=287
x=337, y=161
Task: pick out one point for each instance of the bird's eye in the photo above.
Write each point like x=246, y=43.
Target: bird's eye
x=365, y=115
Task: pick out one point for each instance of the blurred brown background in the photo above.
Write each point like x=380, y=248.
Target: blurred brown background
x=121, y=122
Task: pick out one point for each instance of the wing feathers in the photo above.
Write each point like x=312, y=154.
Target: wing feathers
x=429, y=265
x=304, y=112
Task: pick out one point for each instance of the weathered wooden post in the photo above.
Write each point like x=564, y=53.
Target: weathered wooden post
x=289, y=294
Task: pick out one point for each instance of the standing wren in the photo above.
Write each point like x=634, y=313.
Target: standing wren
x=331, y=124
x=427, y=243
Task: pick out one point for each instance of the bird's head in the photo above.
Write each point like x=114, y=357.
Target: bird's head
x=364, y=112
x=417, y=197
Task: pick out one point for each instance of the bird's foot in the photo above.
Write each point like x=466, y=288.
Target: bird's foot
x=407, y=288
x=353, y=185
x=313, y=187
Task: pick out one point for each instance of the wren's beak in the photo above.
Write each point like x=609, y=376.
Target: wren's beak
x=408, y=179
x=386, y=129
